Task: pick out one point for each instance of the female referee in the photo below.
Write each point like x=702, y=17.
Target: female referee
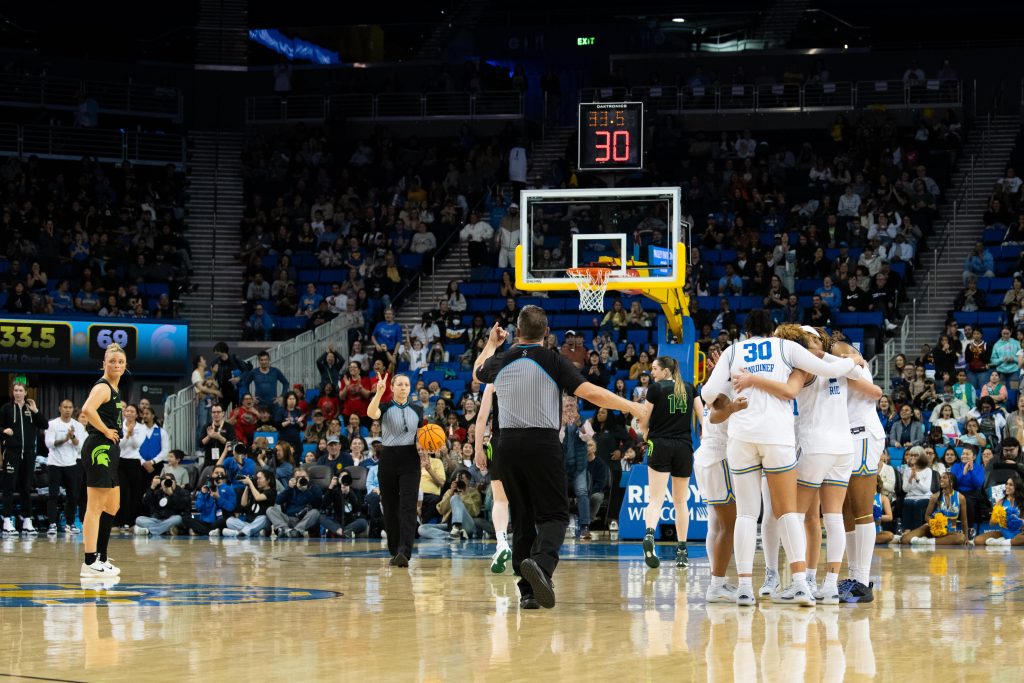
x=100, y=456
x=399, y=469
x=669, y=452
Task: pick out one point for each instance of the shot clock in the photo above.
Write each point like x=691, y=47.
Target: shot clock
x=611, y=136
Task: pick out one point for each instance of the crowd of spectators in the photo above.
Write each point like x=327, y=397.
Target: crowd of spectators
x=87, y=238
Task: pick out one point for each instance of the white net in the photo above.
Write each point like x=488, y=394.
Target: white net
x=592, y=284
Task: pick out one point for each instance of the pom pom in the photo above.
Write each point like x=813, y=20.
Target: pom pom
x=999, y=516
x=938, y=525
x=876, y=512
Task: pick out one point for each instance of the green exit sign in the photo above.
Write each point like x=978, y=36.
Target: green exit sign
x=585, y=40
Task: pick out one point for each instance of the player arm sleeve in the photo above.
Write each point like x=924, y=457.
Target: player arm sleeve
x=718, y=383
x=799, y=357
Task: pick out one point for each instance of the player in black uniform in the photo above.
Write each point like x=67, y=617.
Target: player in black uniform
x=499, y=509
x=669, y=452
x=100, y=456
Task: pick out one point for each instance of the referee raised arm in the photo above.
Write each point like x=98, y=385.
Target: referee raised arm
x=528, y=381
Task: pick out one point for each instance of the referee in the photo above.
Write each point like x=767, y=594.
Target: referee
x=399, y=468
x=529, y=380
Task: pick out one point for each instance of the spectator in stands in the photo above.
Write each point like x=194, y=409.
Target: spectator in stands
x=290, y=421
x=174, y=468
x=574, y=349
x=426, y=331
x=977, y=355
x=1004, y=356
x=870, y=258
x=386, y=335
x=970, y=298
x=478, y=234
x=849, y=203
x=259, y=495
x=330, y=366
x=298, y=508
x=917, y=487
x=259, y=324
x=906, y=432
x=215, y=434
x=244, y=419
x=730, y=284
x=995, y=389
x=818, y=315
x=236, y=465
x=336, y=460
x=456, y=301
x=973, y=435
x=963, y=390
x=855, y=299
x=642, y=365
x=432, y=478
x=1015, y=420
x=979, y=263
x=263, y=380
x=462, y=505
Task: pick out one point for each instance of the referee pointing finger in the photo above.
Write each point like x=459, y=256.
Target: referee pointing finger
x=528, y=381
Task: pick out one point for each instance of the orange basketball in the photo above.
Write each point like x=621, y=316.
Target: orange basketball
x=430, y=437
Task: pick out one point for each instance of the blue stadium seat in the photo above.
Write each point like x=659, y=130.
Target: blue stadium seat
x=896, y=456
x=290, y=322
x=308, y=275
x=432, y=376
x=410, y=261
x=332, y=275
x=965, y=317
x=991, y=317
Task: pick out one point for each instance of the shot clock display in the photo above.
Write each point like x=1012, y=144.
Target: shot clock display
x=611, y=136
x=77, y=345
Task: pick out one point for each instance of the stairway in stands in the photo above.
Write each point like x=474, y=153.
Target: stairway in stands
x=939, y=274
x=452, y=266
x=215, y=207
x=551, y=148
x=222, y=34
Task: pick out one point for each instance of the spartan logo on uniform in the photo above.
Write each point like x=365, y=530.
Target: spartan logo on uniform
x=100, y=457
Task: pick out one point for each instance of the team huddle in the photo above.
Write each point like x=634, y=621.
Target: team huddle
x=788, y=420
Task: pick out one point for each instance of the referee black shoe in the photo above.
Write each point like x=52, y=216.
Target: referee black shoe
x=401, y=560
x=543, y=591
x=528, y=602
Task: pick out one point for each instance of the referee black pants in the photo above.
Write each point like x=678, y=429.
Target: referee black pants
x=533, y=474
x=399, y=477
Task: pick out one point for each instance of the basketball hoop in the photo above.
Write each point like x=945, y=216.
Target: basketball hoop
x=592, y=284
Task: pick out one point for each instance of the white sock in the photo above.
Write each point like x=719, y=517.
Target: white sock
x=717, y=581
x=799, y=576
x=502, y=537
x=811, y=574
x=794, y=538
x=745, y=543
x=746, y=582
x=835, y=547
x=852, y=553
x=770, y=531
x=866, y=550
x=499, y=515
x=832, y=579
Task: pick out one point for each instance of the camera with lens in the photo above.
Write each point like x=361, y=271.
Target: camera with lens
x=345, y=479
x=302, y=481
x=460, y=485
x=239, y=448
x=167, y=482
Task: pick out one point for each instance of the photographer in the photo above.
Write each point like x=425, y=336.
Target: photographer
x=298, y=507
x=374, y=510
x=238, y=465
x=168, y=505
x=461, y=503
x=215, y=500
x=336, y=461
x=258, y=497
x=343, y=502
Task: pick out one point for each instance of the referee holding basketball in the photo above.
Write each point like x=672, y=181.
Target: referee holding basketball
x=399, y=468
x=529, y=380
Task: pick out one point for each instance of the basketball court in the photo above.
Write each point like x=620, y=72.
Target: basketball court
x=302, y=609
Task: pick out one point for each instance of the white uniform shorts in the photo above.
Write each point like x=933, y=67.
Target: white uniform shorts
x=715, y=483
x=815, y=469
x=867, y=453
x=744, y=456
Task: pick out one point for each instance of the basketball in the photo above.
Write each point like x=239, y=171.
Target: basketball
x=430, y=437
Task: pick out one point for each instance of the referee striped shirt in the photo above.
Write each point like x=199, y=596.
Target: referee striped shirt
x=528, y=382
x=399, y=422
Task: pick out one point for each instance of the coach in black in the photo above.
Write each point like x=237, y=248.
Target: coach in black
x=529, y=380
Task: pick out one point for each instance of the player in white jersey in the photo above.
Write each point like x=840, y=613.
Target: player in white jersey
x=715, y=483
x=868, y=444
x=825, y=461
x=762, y=436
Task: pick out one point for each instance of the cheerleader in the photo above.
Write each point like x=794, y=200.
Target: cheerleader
x=1007, y=516
x=946, y=515
x=762, y=437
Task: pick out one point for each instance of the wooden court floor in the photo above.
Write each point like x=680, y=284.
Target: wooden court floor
x=310, y=610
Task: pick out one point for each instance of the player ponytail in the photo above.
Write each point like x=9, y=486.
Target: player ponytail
x=826, y=339
x=672, y=365
x=791, y=332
